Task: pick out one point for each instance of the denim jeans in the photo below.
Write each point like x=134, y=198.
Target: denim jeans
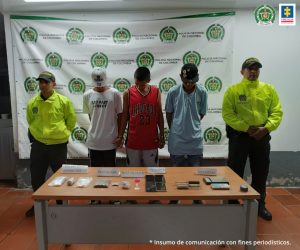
x=186, y=160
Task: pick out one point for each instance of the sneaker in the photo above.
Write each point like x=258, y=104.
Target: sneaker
x=264, y=213
x=30, y=212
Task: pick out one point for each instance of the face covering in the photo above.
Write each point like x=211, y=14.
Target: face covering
x=99, y=77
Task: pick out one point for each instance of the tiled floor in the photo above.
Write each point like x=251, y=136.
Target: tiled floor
x=18, y=232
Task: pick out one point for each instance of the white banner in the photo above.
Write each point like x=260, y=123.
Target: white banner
x=71, y=49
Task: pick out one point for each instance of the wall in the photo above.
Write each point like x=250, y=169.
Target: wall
x=276, y=47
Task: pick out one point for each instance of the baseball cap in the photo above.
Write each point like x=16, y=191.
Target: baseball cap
x=99, y=76
x=46, y=76
x=250, y=62
x=189, y=72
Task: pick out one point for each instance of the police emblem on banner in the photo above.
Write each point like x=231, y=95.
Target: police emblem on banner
x=145, y=59
x=215, y=33
x=99, y=60
x=29, y=35
x=75, y=36
x=168, y=34
x=76, y=86
x=122, y=84
x=79, y=135
x=121, y=36
x=192, y=57
x=31, y=85
x=53, y=60
x=166, y=83
x=213, y=85
x=265, y=15
x=212, y=135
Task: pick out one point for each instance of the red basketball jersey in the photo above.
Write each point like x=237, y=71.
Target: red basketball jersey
x=143, y=120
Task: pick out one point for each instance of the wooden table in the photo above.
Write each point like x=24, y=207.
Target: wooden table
x=146, y=223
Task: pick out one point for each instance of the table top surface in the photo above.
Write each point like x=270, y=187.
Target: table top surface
x=172, y=175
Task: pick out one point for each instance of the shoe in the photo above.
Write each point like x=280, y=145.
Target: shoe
x=264, y=213
x=197, y=202
x=172, y=202
x=154, y=202
x=30, y=212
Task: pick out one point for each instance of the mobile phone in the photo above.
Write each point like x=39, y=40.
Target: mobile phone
x=220, y=186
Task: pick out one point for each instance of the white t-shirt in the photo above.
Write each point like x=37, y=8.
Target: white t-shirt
x=103, y=109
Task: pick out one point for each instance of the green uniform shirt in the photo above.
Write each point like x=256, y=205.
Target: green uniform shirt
x=51, y=121
x=251, y=103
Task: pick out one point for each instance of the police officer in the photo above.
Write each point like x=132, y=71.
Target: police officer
x=251, y=110
x=51, y=118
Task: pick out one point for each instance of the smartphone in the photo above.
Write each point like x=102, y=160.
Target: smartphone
x=220, y=186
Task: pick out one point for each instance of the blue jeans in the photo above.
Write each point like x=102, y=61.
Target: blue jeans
x=186, y=160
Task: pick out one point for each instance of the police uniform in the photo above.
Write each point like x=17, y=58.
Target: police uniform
x=50, y=124
x=251, y=104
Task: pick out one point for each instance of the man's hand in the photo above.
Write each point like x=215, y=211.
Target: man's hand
x=118, y=142
x=259, y=133
x=161, y=142
x=251, y=130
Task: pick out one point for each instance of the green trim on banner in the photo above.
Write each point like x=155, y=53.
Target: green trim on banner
x=38, y=18
x=214, y=14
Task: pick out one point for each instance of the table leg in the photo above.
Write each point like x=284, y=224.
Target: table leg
x=251, y=220
x=40, y=208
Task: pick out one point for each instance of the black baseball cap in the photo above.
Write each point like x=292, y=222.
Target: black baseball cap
x=189, y=73
x=46, y=76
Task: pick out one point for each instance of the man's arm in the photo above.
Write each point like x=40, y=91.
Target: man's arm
x=160, y=122
x=169, y=117
x=70, y=116
x=123, y=120
x=229, y=115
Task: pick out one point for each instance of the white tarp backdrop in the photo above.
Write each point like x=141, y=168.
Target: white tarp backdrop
x=72, y=48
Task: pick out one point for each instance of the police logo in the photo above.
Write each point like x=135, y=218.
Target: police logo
x=99, y=60
x=35, y=110
x=76, y=86
x=75, y=36
x=168, y=34
x=31, y=85
x=145, y=59
x=79, y=135
x=264, y=15
x=212, y=135
x=166, y=83
x=29, y=35
x=213, y=85
x=121, y=36
x=192, y=57
x=122, y=84
x=242, y=98
x=215, y=33
x=53, y=60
